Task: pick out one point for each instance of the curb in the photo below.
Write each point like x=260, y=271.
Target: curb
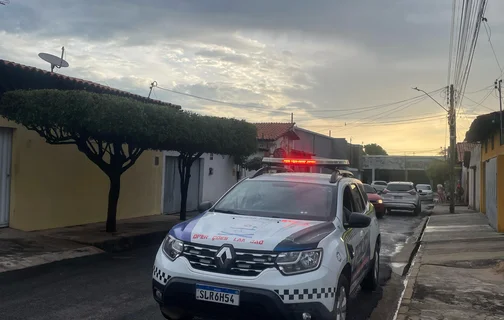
x=405, y=257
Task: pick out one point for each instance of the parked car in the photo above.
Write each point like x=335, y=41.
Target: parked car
x=376, y=200
x=284, y=245
x=379, y=185
x=401, y=195
x=425, y=191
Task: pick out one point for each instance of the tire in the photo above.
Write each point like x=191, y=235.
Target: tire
x=168, y=317
x=341, y=299
x=389, y=211
x=379, y=215
x=418, y=209
x=372, y=280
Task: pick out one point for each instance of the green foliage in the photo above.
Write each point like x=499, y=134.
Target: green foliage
x=113, y=131
x=253, y=164
x=438, y=171
x=374, y=149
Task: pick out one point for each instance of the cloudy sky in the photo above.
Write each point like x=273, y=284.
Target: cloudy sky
x=329, y=62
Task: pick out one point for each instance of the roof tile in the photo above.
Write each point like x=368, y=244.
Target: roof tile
x=272, y=130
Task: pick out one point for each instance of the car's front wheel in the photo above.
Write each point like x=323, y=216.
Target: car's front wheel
x=341, y=299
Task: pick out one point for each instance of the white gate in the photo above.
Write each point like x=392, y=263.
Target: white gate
x=491, y=191
x=171, y=196
x=5, y=173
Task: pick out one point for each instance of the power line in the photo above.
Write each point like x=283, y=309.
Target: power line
x=489, y=34
x=480, y=104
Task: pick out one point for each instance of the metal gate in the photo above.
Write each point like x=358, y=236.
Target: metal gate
x=491, y=191
x=171, y=201
x=5, y=173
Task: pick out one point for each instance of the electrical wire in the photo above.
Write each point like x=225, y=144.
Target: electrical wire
x=489, y=34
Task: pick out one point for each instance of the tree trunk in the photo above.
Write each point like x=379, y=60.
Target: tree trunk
x=185, y=161
x=113, y=199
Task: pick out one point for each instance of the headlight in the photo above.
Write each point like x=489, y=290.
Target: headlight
x=172, y=247
x=299, y=261
x=379, y=201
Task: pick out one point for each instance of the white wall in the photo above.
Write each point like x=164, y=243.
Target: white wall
x=475, y=178
x=223, y=177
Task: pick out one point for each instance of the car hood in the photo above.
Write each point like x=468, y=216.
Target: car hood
x=373, y=196
x=252, y=233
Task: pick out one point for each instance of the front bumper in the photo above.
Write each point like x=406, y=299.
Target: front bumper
x=254, y=303
x=400, y=205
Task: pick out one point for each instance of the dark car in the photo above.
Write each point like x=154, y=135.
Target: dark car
x=375, y=199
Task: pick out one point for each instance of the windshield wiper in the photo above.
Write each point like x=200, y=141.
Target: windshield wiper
x=228, y=211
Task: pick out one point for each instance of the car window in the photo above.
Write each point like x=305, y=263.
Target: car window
x=369, y=189
x=399, y=187
x=348, y=203
x=424, y=187
x=357, y=199
x=292, y=200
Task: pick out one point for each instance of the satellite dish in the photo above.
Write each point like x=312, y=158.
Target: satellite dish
x=55, y=61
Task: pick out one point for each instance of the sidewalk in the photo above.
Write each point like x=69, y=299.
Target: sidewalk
x=458, y=272
x=20, y=249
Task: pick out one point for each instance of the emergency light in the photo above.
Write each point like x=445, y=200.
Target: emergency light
x=307, y=162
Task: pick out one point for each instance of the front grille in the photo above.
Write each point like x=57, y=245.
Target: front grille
x=247, y=263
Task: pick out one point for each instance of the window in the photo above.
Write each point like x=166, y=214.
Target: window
x=400, y=187
x=347, y=204
x=369, y=189
x=357, y=198
x=281, y=199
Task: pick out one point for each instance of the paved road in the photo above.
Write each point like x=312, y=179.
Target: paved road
x=118, y=286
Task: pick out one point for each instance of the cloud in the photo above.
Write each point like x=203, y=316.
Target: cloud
x=269, y=58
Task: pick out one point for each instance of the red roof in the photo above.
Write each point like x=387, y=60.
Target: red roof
x=463, y=147
x=272, y=130
x=15, y=76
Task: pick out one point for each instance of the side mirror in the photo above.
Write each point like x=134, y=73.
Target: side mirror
x=204, y=206
x=358, y=220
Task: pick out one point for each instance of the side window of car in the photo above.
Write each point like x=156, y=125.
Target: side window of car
x=357, y=199
x=363, y=193
x=347, y=203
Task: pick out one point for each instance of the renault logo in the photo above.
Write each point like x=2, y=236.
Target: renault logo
x=225, y=256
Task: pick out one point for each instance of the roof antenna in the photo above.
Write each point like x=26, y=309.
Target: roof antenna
x=55, y=61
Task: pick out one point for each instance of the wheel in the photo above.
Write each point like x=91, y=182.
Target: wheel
x=341, y=299
x=379, y=215
x=389, y=210
x=418, y=209
x=174, y=315
x=372, y=279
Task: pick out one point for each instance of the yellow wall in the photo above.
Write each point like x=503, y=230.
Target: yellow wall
x=498, y=149
x=56, y=185
x=486, y=154
x=500, y=193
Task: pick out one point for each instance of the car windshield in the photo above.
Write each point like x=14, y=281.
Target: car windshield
x=399, y=187
x=423, y=187
x=280, y=199
x=369, y=189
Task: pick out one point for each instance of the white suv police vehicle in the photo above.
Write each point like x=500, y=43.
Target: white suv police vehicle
x=282, y=245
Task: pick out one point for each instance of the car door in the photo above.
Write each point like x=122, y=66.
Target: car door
x=356, y=240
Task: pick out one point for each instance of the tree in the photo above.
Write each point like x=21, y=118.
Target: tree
x=438, y=171
x=374, y=149
x=111, y=131
x=212, y=135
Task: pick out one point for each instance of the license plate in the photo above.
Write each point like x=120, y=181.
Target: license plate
x=218, y=295
x=397, y=197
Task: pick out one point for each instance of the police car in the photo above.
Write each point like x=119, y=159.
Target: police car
x=277, y=245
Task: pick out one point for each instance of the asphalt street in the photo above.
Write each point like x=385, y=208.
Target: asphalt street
x=118, y=286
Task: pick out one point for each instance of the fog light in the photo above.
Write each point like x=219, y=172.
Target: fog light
x=159, y=295
x=306, y=316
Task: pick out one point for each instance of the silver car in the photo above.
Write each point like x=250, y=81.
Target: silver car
x=379, y=185
x=425, y=192
x=401, y=195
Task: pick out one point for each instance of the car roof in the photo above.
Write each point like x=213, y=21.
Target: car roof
x=301, y=177
x=400, y=182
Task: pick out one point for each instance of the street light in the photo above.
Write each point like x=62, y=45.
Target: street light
x=439, y=104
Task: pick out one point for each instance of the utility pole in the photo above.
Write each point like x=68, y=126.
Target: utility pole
x=453, y=153
x=292, y=117
x=498, y=86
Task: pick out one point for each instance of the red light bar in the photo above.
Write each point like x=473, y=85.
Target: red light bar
x=299, y=161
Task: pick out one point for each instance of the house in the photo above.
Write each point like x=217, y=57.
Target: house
x=485, y=129
x=46, y=186
x=464, y=150
x=474, y=180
